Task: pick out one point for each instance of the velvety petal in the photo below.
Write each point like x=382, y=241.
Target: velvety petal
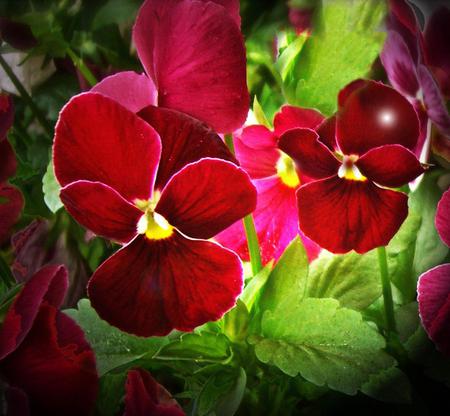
x=133, y=91
x=194, y=52
x=50, y=285
x=54, y=366
x=375, y=115
x=184, y=140
x=349, y=89
x=276, y=223
x=11, y=204
x=290, y=117
x=144, y=396
x=312, y=157
x=399, y=65
x=257, y=151
x=434, y=305
x=8, y=163
x=391, y=165
x=206, y=197
x=327, y=133
x=443, y=217
x=16, y=402
x=232, y=6
x=6, y=114
x=342, y=215
x=102, y=210
x=150, y=287
x=98, y=140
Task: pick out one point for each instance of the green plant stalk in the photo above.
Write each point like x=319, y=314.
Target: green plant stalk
x=249, y=227
x=26, y=97
x=387, y=291
x=86, y=72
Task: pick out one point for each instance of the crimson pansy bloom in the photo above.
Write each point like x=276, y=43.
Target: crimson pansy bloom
x=276, y=179
x=162, y=196
x=144, y=396
x=434, y=287
x=44, y=358
x=348, y=206
x=194, y=58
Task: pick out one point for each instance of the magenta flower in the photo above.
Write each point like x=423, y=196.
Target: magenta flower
x=44, y=358
x=434, y=287
x=276, y=179
x=161, y=194
x=144, y=396
x=194, y=58
x=348, y=206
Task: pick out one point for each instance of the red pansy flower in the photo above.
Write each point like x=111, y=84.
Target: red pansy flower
x=276, y=179
x=194, y=58
x=144, y=396
x=44, y=357
x=434, y=287
x=348, y=206
x=162, y=196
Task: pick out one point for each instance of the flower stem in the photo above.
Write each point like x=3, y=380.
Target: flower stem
x=85, y=71
x=387, y=291
x=26, y=97
x=249, y=227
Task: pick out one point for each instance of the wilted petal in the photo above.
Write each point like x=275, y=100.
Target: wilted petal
x=443, y=218
x=290, y=117
x=11, y=204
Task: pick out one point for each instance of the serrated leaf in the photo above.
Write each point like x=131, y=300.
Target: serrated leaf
x=51, y=189
x=324, y=343
x=113, y=348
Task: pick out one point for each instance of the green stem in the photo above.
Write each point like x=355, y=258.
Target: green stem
x=26, y=97
x=249, y=227
x=85, y=71
x=387, y=291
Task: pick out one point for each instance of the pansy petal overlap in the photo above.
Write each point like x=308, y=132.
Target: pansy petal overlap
x=150, y=287
x=207, y=196
x=102, y=210
x=290, y=117
x=194, y=53
x=98, y=140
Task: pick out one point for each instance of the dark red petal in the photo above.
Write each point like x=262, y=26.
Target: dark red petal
x=11, y=204
x=194, y=52
x=102, y=210
x=327, y=133
x=373, y=116
x=144, y=396
x=6, y=114
x=342, y=215
x=50, y=285
x=434, y=305
x=133, y=91
x=98, y=140
x=206, y=197
x=391, y=165
x=443, y=217
x=54, y=366
x=399, y=65
x=290, y=117
x=150, y=287
x=312, y=157
x=17, y=402
x=8, y=163
x=349, y=89
x=257, y=151
x=184, y=140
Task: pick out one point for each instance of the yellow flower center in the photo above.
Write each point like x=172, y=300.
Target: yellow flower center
x=349, y=170
x=286, y=171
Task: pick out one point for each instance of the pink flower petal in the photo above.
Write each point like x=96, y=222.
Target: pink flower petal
x=232, y=6
x=434, y=305
x=206, y=197
x=290, y=117
x=11, y=204
x=133, y=91
x=312, y=157
x=184, y=140
x=342, y=215
x=375, y=115
x=443, y=218
x=391, y=165
x=8, y=163
x=102, y=210
x=150, y=287
x=98, y=140
x=194, y=52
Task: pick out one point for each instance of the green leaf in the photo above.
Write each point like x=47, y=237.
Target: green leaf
x=115, y=11
x=259, y=114
x=253, y=288
x=113, y=348
x=51, y=189
x=112, y=391
x=324, y=343
x=286, y=60
x=236, y=322
x=347, y=39
x=205, y=347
